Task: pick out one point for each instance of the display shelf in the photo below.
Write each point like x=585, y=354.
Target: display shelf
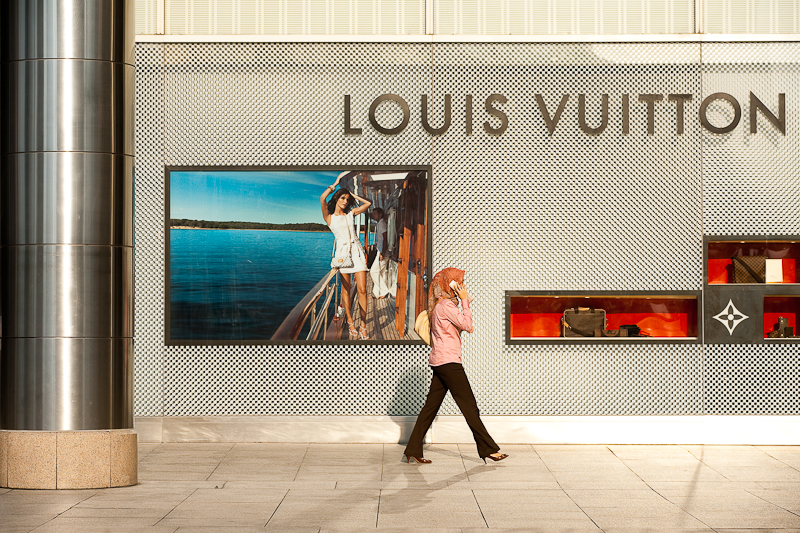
x=777, y=307
x=535, y=316
x=782, y=254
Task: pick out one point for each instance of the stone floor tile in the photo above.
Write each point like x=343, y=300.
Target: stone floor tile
x=444, y=508
x=232, y=495
x=234, y=529
x=657, y=529
x=17, y=508
x=591, y=479
x=125, y=512
x=504, y=485
x=411, y=520
x=757, y=530
x=339, y=473
x=392, y=530
x=342, y=460
x=748, y=520
x=314, y=484
x=47, y=496
x=777, y=485
x=391, y=485
x=581, y=494
x=509, y=473
x=776, y=473
x=681, y=473
x=227, y=475
x=224, y=510
x=147, y=447
x=145, y=468
x=105, y=525
x=642, y=524
x=175, y=476
x=28, y=521
x=789, y=455
x=533, y=501
x=424, y=476
x=695, y=487
x=189, y=524
x=789, y=500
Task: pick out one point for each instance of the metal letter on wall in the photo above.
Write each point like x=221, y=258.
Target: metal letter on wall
x=582, y=115
x=424, y=110
x=348, y=129
x=679, y=99
x=651, y=100
x=389, y=98
x=487, y=127
x=703, y=112
x=551, y=122
x=757, y=105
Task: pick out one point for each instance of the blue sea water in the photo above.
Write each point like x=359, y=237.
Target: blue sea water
x=241, y=284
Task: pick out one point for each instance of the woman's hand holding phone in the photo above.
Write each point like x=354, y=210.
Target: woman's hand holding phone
x=461, y=291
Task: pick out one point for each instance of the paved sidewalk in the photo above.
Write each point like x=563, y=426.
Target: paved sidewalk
x=358, y=488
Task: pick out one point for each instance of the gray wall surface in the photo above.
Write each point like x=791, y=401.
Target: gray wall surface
x=521, y=211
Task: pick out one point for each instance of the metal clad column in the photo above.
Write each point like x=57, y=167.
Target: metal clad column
x=66, y=201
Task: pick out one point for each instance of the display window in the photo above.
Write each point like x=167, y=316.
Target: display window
x=780, y=317
x=601, y=316
x=773, y=261
x=267, y=255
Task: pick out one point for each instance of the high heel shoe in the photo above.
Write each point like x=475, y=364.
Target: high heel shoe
x=495, y=457
x=353, y=331
x=418, y=460
x=362, y=333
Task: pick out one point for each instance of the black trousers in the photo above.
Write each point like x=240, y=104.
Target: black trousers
x=452, y=377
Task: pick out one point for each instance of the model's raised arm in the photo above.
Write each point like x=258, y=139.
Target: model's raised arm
x=323, y=204
x=363, y=207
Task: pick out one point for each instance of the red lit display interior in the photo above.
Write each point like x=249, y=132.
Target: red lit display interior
x=720, y=265
x=780, y=306
x=540, y=316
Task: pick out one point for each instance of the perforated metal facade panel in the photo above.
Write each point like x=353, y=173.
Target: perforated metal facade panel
x=520, y=211
x=149, y=232
x=750, y=181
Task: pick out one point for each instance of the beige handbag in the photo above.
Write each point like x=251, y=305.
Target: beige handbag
x=423, y=327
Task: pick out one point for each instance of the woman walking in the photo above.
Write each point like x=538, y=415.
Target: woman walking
x=447, y=323
x=339, y=215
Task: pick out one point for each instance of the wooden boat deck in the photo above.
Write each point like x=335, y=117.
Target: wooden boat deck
x=380, y=320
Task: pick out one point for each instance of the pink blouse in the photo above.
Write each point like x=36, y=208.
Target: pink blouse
x=447, y=324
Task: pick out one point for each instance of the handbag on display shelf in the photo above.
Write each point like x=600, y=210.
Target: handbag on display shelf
x=342, y=257
x=583, y=322
x=749, y=268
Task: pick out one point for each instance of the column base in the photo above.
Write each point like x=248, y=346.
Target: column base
x=68, y=459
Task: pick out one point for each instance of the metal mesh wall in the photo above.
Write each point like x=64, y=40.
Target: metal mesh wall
x=750, y=181
x=149, y=231
x=521, y=211
x=752, y=380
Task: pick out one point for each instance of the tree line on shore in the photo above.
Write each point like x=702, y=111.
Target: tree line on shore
x=213, y=224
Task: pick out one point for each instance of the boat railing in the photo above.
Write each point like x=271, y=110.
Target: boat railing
x=293, y=324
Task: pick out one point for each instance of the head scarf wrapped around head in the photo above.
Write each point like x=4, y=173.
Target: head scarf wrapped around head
x=440, y=287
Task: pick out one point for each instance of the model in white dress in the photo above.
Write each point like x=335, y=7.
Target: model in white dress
x=343, y=228
x=339, y=214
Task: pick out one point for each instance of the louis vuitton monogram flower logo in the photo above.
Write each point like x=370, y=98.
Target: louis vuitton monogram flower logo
x=730, y=317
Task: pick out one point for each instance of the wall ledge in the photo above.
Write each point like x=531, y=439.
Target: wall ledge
x=698, y=429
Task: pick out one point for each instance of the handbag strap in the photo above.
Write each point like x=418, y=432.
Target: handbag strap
x=351, y=222
x=747, y=267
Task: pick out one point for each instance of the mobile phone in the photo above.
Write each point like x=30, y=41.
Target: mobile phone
x=454, y=285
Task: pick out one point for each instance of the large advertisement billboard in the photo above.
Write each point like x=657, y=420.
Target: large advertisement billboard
x=250, y=253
